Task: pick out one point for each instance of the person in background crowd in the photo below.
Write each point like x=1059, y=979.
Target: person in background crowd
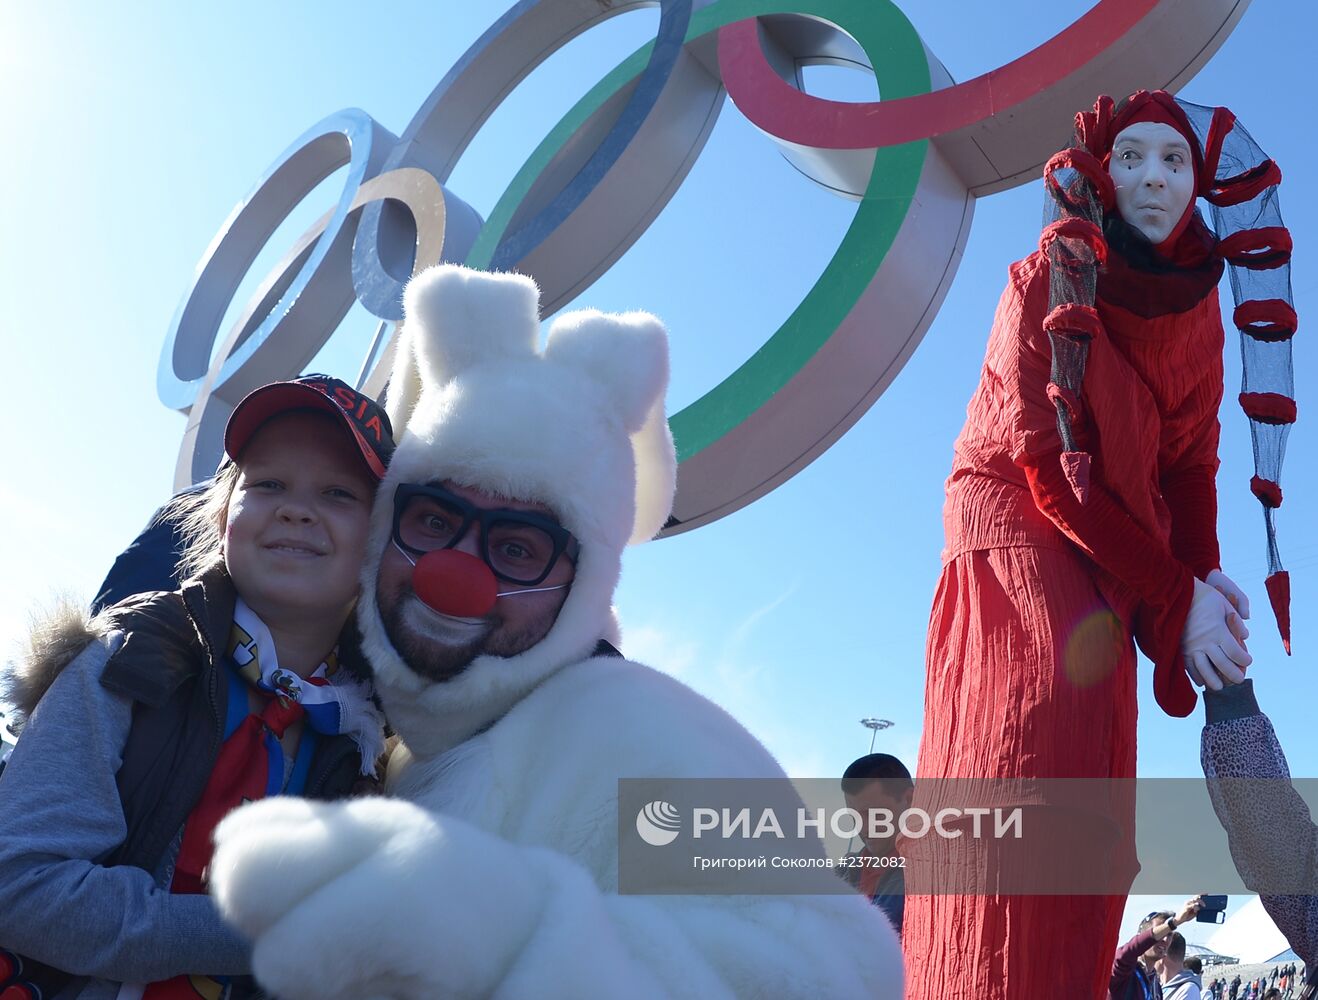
x=1134, y=969
x=879, y=784
x=1178, y=982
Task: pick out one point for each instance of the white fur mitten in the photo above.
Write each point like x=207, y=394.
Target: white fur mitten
x=371, y=898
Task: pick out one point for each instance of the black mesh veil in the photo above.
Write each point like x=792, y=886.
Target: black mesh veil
x=1246, y=211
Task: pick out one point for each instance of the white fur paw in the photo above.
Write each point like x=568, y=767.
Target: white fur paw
x=273, y=854
x=340, y=901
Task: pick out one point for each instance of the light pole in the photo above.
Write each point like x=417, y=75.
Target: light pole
x=874, y=725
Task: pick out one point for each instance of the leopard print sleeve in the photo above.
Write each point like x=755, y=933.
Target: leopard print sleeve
x=1273, y=840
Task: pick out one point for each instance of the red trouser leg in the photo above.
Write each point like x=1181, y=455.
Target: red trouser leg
x=1030, y=675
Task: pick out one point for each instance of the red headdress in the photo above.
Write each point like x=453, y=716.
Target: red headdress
x=1240, y=183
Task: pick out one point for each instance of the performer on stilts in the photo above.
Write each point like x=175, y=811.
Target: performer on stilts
x=1081, y=514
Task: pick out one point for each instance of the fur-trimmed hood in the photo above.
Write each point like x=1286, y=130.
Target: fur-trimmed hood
x=578, y=426
x=54, y=640
x=181, y=627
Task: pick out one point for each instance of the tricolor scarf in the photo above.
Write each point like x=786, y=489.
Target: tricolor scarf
x=334, y=703
x=251, y=763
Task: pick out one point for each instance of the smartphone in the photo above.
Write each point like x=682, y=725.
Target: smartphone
x=1213, y=911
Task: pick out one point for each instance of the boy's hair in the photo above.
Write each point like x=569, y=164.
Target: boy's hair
x=1195, y=964
x=882, y=767
x=1176, y=947
x=200, y=517
x=1154, y=917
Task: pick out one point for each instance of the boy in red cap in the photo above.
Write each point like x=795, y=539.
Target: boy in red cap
x=151, y=722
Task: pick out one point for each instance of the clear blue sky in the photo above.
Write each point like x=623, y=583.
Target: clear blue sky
x=133, y=131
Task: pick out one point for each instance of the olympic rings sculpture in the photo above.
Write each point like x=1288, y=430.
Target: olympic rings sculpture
x=915, y=162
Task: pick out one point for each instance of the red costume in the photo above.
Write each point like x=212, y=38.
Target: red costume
x=1076, y=521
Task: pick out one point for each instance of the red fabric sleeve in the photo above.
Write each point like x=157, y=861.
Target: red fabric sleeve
x=1108, y=535
x=1103, y=528
x=1115, y=542
x=1191, y=495
x=1189, y=471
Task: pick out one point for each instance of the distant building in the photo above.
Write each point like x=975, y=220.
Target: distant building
x=1208, y=956
x=1250, y=934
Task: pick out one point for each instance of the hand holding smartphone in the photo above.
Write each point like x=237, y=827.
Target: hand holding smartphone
x=1213, y=910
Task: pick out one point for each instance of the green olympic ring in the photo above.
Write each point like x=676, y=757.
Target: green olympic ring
x=901, y=67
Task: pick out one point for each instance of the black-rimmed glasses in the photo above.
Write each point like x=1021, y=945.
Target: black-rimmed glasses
x=520, y=547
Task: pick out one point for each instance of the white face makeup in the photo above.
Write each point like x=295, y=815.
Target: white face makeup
x=439, y=627
x=1153, y=172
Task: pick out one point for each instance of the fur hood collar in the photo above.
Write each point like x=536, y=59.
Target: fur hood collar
x=178, y=626
x=175, y=630
x=51, y=645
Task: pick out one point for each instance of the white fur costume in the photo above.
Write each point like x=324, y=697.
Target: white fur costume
x=498, y=875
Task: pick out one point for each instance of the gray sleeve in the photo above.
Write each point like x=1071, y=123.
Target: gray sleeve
x=1273, y=839
x=60, y=810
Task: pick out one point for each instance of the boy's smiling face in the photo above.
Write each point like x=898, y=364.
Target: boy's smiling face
x=295, y=532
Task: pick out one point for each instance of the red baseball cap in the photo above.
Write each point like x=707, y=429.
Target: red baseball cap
x=364, y=418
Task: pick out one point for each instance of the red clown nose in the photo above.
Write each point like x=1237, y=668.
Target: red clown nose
x=455, y=583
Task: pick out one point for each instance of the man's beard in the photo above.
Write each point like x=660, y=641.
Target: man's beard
x=440, y=647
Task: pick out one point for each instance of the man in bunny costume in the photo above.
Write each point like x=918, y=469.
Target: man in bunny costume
x=497, y=541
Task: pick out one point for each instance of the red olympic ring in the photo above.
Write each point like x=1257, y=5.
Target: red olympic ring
x=790, y=114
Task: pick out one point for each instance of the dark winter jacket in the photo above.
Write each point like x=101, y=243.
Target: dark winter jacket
x=165, y=661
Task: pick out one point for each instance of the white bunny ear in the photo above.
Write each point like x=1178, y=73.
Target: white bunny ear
x=457, y=317
x=404, y=385
x=656, y=475
x=627, y=354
